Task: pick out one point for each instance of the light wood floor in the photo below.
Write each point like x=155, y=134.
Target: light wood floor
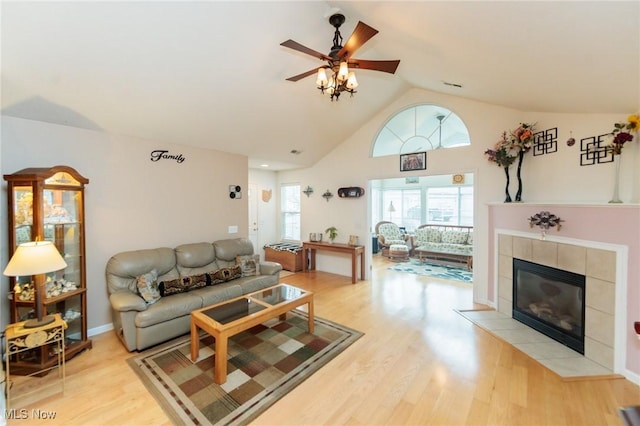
x=419, y=363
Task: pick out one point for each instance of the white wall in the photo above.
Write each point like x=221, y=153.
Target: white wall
x=553, y=177
x=131, y=202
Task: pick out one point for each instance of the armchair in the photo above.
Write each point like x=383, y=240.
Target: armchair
x=389, y=233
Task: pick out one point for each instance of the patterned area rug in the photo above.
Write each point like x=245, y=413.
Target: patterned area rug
x=433, y=270
x=264, y=363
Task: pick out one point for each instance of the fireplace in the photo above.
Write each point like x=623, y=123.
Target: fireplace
x=551, y=301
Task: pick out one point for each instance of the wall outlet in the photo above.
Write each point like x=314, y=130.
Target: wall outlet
x=233, y=229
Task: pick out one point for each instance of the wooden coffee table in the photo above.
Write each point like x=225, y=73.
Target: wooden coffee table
x=229, y=318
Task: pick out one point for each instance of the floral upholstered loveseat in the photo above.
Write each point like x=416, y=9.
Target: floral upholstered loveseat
x=389, y=234
x=444, y=242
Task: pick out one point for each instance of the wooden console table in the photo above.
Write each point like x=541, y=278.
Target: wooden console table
x=312, y=247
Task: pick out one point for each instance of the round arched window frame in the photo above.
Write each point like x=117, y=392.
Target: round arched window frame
x=420, y=128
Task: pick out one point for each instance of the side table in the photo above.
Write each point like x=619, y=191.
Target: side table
x=20, y=339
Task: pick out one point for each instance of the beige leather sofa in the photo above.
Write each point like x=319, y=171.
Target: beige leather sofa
x=139, y=324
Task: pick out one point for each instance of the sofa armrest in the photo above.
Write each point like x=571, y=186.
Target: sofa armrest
x=123, y=301
x=270, y=268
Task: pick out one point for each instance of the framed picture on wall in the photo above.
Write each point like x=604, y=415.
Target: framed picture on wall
x=413, y=161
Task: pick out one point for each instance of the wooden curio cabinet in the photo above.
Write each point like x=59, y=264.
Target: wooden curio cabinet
x=48, y=204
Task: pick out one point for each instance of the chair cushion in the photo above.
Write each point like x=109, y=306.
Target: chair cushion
x=390, y=231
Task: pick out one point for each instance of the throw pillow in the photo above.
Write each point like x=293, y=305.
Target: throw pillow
x=170, y=287
x=198, y=281
x=225, y=274
x=249, y=264
x=148, y=287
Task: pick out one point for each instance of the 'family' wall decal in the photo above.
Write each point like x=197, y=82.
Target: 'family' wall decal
x=160, y=154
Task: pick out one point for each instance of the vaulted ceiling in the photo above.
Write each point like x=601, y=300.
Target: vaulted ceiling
x=212, y=74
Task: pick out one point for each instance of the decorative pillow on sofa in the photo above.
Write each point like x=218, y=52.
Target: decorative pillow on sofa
x=225, y=274
x=184, y=284
x=199, y=281
x=170, y=287
x=249, y=264
x=148, y=287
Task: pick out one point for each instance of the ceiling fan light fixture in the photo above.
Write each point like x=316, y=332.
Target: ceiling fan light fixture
x=331, y=87
x=352, y=83
x=341, y=79
x=322, y=80
x=343, y=72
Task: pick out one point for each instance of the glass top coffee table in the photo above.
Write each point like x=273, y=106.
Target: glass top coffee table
x=234, y=316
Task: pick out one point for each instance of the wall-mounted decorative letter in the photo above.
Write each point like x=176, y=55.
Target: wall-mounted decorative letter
x=545, y=220
x=327, y=195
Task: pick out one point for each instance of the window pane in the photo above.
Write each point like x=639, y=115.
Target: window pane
x=290, y=212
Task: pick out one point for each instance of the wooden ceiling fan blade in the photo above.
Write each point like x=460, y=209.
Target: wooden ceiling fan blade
x=303, y=75
x=360, y=36
x=300, y=48
x=384, y=66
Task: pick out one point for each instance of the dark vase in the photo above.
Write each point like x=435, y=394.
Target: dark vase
x=519, y=193
x=506, y=189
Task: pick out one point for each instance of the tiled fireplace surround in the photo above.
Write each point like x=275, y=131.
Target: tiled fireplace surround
x=599, y=268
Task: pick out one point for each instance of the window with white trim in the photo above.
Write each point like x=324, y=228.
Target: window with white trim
x=290, y=212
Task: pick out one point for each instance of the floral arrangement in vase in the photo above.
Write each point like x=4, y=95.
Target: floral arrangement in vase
x=621, y=133
x=512, y=145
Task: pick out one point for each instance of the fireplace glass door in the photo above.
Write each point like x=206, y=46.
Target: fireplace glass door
x=551, y=301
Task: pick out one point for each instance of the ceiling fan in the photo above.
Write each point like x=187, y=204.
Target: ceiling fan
x=339, y=60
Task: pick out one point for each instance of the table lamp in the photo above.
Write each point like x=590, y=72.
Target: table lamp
x=35, y=258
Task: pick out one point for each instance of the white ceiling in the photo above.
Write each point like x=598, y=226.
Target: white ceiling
x=212, y=74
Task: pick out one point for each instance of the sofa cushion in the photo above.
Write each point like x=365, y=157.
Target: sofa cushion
x=251, y=284
x=123, y=268
x=455, y=237
x=227, y=250
x=147, y=285
x=196, y=258
x=211, y=295
x=249, y=264
x=168, y=308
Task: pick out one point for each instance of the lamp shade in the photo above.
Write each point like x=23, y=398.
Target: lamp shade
x=33, y=258
x=322, y=81
x=391, y=207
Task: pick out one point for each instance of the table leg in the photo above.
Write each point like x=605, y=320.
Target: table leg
x=220, y=364
x=354, y=261
x=312, y=259
x=195, y=341
x=362, y=265
x=311, y=316
x=304, y=259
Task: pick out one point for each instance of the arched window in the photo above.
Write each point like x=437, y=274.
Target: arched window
x=420, y=128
